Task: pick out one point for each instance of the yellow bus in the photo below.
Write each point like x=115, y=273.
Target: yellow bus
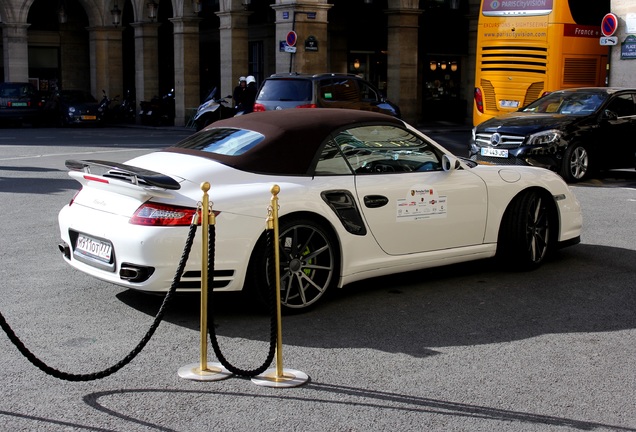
x=526, y=48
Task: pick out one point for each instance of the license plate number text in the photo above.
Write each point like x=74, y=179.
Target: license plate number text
x=493, y=152
x=94, y=247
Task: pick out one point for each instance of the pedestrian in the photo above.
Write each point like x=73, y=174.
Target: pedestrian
x=250, y=94
x=239, y=92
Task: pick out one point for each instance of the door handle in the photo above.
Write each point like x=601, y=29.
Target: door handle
x=375, y=201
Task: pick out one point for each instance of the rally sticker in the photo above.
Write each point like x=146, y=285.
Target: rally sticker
x=421, y=203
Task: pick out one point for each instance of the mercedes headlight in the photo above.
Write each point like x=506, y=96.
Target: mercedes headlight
x=551, y=136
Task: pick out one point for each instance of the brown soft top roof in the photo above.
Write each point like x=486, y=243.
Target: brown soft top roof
x=292, y=137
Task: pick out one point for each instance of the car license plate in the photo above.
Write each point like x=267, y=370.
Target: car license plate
x=89, y=117
x=93, y=247
x=493, y=152
x=19, y=104
x=508, y=103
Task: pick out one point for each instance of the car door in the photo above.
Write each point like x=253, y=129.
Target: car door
x=408, y=201
x=617, y=122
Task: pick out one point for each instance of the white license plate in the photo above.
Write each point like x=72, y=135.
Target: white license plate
x=508, y=103
x=93, y=247
x=493, y=152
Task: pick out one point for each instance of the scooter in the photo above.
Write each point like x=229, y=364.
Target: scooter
x=213, y=109
x=159, y=111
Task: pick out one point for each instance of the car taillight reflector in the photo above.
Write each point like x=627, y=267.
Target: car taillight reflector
x=73, y=199
x=259, y=107
x=307, y=106
x=479, y=100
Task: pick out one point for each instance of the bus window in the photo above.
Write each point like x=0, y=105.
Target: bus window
x=514, y=65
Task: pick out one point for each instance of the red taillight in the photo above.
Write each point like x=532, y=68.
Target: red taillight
x=153, y=214
x=97, y=179
x=162, y=215
x=307, y=106
x=479, y=100
x=259, y=107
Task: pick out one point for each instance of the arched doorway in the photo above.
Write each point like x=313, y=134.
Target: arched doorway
x=58, y=46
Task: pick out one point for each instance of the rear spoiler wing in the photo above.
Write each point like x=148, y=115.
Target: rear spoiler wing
x=134, y=174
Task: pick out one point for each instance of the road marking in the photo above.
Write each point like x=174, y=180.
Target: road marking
x=69, y=154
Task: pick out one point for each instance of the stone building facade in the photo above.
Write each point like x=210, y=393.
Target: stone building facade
x=151, y=46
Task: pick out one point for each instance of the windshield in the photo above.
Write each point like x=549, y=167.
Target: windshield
x=572, y=103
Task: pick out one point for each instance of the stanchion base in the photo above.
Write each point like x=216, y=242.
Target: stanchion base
x=214, y=372
x=289, y=378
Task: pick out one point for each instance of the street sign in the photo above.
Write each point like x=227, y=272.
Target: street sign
x=609, y=24
x=290, y=49
x=609, y=40
x=291, y=38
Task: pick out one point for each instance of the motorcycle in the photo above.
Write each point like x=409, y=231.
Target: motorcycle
x=213, y=109
x=125, y=112
x=105, y=112
x=159, y=111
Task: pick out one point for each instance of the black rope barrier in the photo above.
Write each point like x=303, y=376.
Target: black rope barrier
x=272, y=302
x=140, y=346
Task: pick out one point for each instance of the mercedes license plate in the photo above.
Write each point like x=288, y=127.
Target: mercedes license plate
x=98, y=249
x=493, y=152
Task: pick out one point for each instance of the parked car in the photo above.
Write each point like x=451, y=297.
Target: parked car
x=362, y=195
x=73, y=107
x=575, y=132
x=329, y=90
x=20, y=102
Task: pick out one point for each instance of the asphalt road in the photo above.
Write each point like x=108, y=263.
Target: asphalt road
x=468, y=347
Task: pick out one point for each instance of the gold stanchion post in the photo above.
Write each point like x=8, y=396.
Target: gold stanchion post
x=204, y=370
x=279, y=376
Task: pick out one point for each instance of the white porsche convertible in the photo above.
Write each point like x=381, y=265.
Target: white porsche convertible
x=362, y=195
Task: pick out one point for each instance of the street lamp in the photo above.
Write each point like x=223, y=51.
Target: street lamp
x=197, y=6
x=61, y=14
x=152, y=10
x=246, y=4
x=116, y=14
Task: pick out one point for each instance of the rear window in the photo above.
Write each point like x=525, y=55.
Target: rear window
x=286, y=90
x=222, y=141
x=16, y=90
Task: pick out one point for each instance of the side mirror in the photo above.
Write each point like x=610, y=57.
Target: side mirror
x=450, y=163
x=609, y=115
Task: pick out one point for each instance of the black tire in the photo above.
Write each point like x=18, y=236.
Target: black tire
x=576, y=163
x=528, y=231
x=309, y=265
